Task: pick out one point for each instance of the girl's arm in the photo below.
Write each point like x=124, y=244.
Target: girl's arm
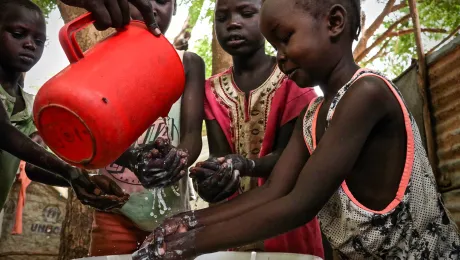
x=278, y=184
x=39, y=175
x=192, y=112
x=21, y=146
x=357, y=114
x=18, y=144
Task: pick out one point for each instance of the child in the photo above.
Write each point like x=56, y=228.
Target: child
x=251, y=110
x=22, y=38
x=358, y=155
x=122, y=233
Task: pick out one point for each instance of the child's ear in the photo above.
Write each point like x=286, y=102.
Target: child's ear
x=337, y=19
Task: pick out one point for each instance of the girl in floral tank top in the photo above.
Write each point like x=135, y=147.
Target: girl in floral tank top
x=415, y=225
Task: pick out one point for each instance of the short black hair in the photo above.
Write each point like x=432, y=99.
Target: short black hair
x=5, y=4
x=353, y=7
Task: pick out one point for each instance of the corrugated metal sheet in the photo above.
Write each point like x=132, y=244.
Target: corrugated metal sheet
x=444, y=88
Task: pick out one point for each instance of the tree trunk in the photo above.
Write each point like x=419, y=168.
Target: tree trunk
x=87, y=37
x=76, y=228
x=220, y=59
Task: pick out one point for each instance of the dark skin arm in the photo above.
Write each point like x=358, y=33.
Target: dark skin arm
x=355, y=117
x=21, y=146
x=167, y=164
x=192, y=111
x=219, y=147
x=279, y=183
x=39, y=175
x=191, y=114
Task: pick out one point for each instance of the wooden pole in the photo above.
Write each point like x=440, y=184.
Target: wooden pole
x=423, y=88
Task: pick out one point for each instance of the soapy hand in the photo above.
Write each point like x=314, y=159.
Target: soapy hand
x=98, y=192
x=115, y=13
x=219, y=178
x=180, y=246
x=174, y=225
x=158, y=164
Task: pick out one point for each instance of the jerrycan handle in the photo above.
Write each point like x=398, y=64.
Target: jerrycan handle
x=67, y=36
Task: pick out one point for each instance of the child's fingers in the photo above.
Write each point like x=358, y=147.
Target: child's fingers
x=176, y=175
x=124, y=7
x=176, y=164
x=179, y=176
x=103, y=202
x=154, y=153
x=145, y=8
x=157, y=163
x=115, y=13
x=231, y=188
x=116, y=190
x=101, y=16
x=212, y=165
x=148, y=240
x=226, y=177
x=201, y=173
x=169, y=158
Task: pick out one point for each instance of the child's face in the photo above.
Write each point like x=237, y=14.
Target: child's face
x=22, y=39
x=237, y=26
x=163, y=11
x=302, y=41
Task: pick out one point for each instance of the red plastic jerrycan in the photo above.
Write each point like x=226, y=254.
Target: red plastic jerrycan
x=93, y=110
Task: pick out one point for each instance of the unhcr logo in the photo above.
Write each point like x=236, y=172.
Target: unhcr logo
x=51, y=214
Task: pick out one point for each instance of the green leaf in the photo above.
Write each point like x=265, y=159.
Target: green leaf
x=46, y=5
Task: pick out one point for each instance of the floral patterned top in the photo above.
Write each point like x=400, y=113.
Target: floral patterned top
x=416, y=225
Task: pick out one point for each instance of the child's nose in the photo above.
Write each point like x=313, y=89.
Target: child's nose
x=30, y=44
x=233, y=24
x=280, y=57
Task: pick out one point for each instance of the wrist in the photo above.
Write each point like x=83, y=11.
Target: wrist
x=72, y=173
x=248, y=167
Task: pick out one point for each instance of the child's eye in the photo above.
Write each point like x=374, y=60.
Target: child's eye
x=248, y=14
x=221, y=17
x=18, y=35
x=162, y=2
x=40, y=42
x=286, y=38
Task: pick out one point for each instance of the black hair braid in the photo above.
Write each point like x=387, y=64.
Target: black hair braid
x=356, y=19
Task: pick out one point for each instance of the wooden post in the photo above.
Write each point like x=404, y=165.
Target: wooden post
x=423, y=88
